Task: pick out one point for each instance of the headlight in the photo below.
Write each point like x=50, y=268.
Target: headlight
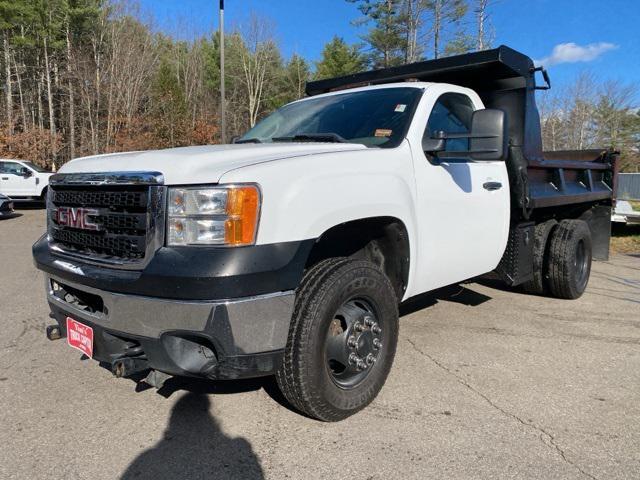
x=226, y=215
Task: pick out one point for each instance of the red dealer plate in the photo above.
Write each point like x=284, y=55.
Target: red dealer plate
x=80, y=336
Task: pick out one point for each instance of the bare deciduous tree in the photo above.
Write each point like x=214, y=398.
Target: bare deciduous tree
x=256, y=57
x=592, y=114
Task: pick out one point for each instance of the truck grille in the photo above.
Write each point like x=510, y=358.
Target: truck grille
x=106, y=222
x=99, y=198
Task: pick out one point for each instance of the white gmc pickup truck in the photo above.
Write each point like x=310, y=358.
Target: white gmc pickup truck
x=289, y=251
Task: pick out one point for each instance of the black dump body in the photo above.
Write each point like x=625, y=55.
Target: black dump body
x=541, y=182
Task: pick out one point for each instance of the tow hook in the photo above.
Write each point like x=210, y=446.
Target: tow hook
x=53, y=332
x=126, y=367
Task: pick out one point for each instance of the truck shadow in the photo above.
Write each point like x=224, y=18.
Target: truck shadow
x=217, y=387
x=460, y=174
x=193, y=446
x=452, y=293
x=203, y=386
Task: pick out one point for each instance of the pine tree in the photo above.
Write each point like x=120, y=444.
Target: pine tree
x=14, y=15
x=387, y=37
x=445, y=12
x=295, y=75
x=169, y=103
x=460, y=43
x=339, y=59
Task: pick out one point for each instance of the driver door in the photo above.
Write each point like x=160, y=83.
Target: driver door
x=13, y=183
x=463, y=213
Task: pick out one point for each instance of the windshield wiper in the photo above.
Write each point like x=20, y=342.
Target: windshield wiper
x=312, y=137
x=249, y=140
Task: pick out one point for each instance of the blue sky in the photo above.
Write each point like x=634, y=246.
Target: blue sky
x=601, y=36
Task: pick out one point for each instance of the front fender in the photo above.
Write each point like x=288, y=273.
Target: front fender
x=304, y=197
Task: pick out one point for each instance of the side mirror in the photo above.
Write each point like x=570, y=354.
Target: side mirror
x=25, y=172
x=488, y=139
x=434, y=144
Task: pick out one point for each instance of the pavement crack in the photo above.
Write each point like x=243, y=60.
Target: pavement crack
x=543, y=434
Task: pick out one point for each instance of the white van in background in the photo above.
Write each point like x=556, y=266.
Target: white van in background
x=22, y=180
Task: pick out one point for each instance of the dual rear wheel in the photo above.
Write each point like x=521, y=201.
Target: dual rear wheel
x=561, y=259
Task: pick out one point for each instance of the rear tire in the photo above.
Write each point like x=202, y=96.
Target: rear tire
x=342, y=339
x=569, y=262
x=538, y=284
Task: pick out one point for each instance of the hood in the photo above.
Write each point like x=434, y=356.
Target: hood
x=206, y=164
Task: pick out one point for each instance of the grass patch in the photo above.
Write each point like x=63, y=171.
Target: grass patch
x=625, y=238
x=635, y=204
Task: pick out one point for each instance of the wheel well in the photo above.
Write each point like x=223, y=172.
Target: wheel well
x=381, y=240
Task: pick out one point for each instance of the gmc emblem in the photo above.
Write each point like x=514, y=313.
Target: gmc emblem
x=76, y=218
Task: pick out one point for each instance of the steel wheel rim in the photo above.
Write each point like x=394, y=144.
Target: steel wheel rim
x=353, y=343
x=581, y=264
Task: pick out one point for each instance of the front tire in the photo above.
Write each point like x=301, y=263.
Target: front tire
x=569, y=262
x=342, y=339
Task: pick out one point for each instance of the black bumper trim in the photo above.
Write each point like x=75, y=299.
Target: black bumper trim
x=190, y=273
x=159, y=354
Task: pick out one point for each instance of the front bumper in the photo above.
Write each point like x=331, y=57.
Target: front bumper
x=207, y=311
x=220, y=339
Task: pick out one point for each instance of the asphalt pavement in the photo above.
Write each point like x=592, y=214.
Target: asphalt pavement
x=487, y=383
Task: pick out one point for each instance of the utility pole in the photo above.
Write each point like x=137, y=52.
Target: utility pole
x=223, y=120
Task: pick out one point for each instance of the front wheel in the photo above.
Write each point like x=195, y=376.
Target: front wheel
x=342, y=339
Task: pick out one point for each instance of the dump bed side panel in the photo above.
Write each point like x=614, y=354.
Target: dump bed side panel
x=569, y=177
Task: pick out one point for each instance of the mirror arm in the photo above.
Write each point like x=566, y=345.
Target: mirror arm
x=465, y=135
x=463, y=153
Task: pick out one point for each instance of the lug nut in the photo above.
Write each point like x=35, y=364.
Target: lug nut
x=376, y=329
x=361, y=365
x=368, y=321
x=358, y=327
x=352, y=342
x=377, y=344
x=370, y=359
x=354, y=359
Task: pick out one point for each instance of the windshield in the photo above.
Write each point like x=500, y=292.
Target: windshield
x=35, y=167
x=375, y=118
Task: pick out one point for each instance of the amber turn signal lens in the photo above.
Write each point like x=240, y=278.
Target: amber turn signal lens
x=243, y=208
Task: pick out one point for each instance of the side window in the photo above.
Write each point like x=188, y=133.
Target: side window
x=10, y=167
x=451, y=114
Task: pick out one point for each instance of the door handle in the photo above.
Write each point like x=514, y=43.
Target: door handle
x=5, y=178
x=491, y=186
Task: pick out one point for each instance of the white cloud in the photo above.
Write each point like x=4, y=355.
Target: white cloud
x=572, y=53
